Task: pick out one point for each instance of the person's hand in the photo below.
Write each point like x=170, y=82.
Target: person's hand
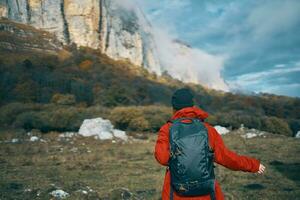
x=261, y=169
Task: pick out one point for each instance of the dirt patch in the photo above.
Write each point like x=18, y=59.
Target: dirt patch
x=290, y=170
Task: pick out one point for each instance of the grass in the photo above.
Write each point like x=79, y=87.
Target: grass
x=106, y=170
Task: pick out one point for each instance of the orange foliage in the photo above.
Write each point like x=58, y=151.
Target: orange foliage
x=86, y=65
x=64, y=55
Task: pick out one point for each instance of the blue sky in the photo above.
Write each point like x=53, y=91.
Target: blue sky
x=259, y=39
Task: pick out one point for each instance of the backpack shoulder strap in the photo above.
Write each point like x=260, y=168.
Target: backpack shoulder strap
x=170, y=121
x=182, y=118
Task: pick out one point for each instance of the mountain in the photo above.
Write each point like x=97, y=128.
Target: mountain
x=117, y=31
x=37, y=67
x=120, y=30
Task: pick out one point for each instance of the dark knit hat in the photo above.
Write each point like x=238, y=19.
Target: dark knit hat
x=182, y=98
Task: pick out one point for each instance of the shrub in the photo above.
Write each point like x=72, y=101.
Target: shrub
x=229, y=119
x=57, y=120
x=85, y=65
x=294, y=125
x=63, y=55
x=140, y=118
x=122, y=117
x=276, y=125
x=156, y=115
x=63, y=99
x=9, y=112
x=212, y=119
x=29, y=120
x=139, y=124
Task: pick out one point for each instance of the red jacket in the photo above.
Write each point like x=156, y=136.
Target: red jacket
x=223, y=156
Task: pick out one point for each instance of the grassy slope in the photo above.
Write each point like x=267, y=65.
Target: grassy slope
x=110, y=169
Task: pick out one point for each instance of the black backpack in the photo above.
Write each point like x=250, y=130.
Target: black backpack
x=191, y=159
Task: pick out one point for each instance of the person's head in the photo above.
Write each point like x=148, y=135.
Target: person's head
x=182, y=98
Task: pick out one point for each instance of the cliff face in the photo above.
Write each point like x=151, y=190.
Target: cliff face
x=98, y=24
x=16, y=37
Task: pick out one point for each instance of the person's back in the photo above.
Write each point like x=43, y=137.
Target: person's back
x=182, y=102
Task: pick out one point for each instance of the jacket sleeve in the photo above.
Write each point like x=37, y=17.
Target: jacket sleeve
x=162, y=151
x=228, y=158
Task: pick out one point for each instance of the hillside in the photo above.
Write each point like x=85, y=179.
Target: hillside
x=37, y=71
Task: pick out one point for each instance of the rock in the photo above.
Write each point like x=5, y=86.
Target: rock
x=109, y=26
x=120, y=134
x=98, y=127
x=68, y=134
x=3, y=11
x=60, y=194
x=82, y=20
x=15, y=140
x=74, y=150
x=27, y=38
x=251, y=133
x=101, y=129
x=297, y=134
x=34, y=138
x=83, y=191
x=221, y=130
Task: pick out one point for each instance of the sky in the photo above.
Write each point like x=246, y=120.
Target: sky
x=251, y=46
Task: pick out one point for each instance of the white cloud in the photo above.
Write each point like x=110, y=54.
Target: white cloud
x=188, y=64
x=274, y=17
x=259, y=80
x=280, y=66
x=249, y=33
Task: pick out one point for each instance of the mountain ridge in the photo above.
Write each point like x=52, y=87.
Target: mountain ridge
x=97, y=24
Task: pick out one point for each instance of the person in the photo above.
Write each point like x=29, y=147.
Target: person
x=183, y=106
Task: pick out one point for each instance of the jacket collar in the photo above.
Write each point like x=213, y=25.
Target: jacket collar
x=192, y=112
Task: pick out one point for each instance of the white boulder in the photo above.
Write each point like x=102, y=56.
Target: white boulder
x=101, y=129
x=221, y=130
x=249, y=135
x=297, y=134
x=34, y=138
x=15, y=140
x=60, y=194
x=120, y=134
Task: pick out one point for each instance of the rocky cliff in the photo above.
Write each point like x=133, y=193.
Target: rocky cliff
x=16, y=37
x=99, y=24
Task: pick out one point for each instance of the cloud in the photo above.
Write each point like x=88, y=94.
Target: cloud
x=279, y=80
x=180, y=61
x=274, y=17
x=257, y=77
x=189, y=64
x=247, y=40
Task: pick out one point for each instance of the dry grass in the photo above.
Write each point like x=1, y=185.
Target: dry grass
x=30, y=170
